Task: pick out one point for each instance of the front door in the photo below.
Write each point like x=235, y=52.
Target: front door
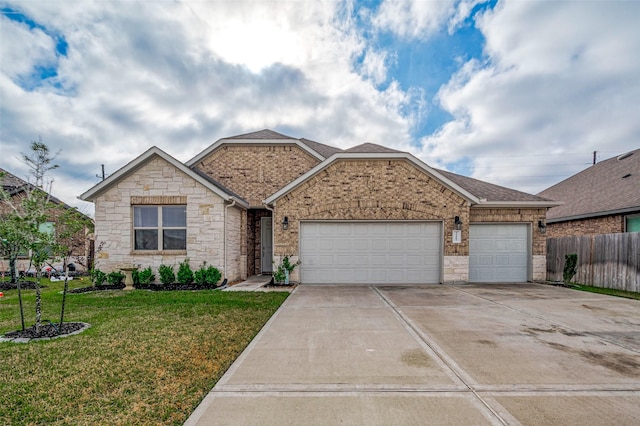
x=266, y=244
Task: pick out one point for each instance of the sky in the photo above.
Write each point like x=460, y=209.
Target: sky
x=516, y=93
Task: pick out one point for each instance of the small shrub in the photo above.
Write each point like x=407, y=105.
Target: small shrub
x=135, y=275
x=200, y=276
x=167, y=276
x=146, y=276
x=212, y=275
x=115, y=278
x=570, y=267
x=98, y=277
x=185, y=274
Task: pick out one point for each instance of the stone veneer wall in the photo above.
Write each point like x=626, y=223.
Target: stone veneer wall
x=256, y=171
x=597, y=225
x=369, y=190
x=158, y=182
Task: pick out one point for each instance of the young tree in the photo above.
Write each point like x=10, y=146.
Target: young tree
x=70, y=237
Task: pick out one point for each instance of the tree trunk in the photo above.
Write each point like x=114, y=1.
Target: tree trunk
x=20, y=303
x=38, y=304
x=64, y=296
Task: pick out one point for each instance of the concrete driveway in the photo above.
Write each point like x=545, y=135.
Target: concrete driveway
x=473, y=354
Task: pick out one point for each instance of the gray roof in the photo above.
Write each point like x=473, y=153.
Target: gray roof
x=370, y=148
x=489, y=191
x=325, y=150
x=217, y=184
x=10, y=181
x=261, y=134
x=607, y=187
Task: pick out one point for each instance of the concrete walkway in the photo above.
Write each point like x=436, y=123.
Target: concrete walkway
x=490, y=354
x=253, y=283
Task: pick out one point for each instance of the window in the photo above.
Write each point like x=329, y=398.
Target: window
x=633, y=223
x=160, y=227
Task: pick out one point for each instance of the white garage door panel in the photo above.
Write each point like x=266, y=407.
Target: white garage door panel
x=370, y=252
x=498, y=252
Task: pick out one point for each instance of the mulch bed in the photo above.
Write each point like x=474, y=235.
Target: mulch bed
x=24, y=285
x=97, y=288
x=46, y=331
x=152, y=287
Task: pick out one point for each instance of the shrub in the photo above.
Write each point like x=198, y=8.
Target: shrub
x=185, y=274
x=167, y=276
x=98, y=277
x=200, y=276
x=115, y=278
x=570, y=267
x=145, y=276
x=212, y=275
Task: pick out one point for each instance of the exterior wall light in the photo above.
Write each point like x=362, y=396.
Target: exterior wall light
x=458, y=223
x=285, y=223
x=542, y=227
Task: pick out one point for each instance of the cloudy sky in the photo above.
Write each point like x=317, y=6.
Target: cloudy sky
x=518, y=93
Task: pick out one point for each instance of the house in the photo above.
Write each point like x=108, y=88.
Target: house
x=16, y=188
x=602, y=199
x=368, y=214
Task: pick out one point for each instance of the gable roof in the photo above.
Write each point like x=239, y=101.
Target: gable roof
x=325, y=150
x=14, y=185
x=266, y=137
x=145, y=157
x=609, y=187
x=490, y=193
x=370, y=148
x=478, y=193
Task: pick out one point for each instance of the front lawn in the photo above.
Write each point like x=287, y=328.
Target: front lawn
x=148, y=358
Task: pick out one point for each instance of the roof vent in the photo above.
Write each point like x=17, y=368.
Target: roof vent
x=623, y=156
x=626, y=176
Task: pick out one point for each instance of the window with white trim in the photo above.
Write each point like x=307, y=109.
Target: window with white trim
x=160, y=227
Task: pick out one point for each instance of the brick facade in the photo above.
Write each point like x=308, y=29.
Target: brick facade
x=596, y=225
x=369, y=190
x=158, y=181
x=256, y=171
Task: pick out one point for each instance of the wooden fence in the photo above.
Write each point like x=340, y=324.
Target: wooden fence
x=607, y=260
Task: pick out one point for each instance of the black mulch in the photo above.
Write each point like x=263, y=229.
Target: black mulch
x=174, y=286
x=152, y=287
x=24, y=285
x=46, y=330
x=97, y=288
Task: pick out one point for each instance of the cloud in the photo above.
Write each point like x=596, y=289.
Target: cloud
x=558, y=83
x=180, y=75
x=419, y=19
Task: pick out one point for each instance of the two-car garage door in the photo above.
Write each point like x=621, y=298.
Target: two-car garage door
x=370, y=252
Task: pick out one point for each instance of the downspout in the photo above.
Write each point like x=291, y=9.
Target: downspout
x=224, y=237
x=273, y=232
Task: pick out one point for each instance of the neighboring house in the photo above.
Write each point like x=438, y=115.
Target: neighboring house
x=16, y=187
x=368, y=214
x=603, y=199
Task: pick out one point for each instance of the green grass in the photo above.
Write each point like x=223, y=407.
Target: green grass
x=608, y=291
x=149, y=357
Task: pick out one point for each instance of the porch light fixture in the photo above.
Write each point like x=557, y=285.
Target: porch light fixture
x=285, y=223
x=542, y=227
x=458, y=223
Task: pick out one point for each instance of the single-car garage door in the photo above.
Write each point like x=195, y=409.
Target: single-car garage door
x=498, y=252
x=370, y=252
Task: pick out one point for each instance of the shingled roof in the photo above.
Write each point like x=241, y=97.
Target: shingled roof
x=261, y=134
x=609, y=187
x=488, y=191
x=11, y=182
x=371, y=148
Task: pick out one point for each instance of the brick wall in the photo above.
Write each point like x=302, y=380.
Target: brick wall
x=256, y=171
x=162, y=182
x=598, y=225
x=370, y=190
x=533, y=215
